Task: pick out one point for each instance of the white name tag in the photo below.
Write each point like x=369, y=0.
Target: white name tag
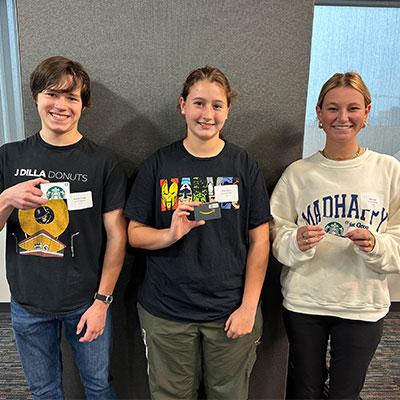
x=80, y=201
x=55, y=190
x=226, y=193
x=371, y=200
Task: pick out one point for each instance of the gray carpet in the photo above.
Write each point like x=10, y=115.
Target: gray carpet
x=383, y=379
x=12, y=381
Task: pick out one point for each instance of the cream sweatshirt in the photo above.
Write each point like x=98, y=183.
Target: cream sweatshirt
x=335, y=278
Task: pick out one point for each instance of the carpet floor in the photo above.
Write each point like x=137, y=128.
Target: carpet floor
x=382, y=383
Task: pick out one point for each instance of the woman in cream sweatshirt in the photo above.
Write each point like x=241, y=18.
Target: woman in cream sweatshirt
x=336, y=230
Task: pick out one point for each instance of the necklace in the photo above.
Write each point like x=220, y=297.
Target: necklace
x=359, y=151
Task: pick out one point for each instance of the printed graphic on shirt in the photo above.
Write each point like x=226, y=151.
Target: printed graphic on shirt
x=339, y=213
x=42, y=227
x=185, y=190
x=169, y=194
x=200, y=189
x=60, y=175
x=203, y=189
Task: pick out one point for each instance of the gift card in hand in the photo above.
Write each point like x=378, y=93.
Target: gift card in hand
x=55, y=190
x=338, y=227
x=207, y=211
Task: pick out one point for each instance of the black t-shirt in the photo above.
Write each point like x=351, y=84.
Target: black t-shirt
x=55, y=252
x=200, y=277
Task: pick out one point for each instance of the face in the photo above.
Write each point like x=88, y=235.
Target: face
x=60, y=112
x=205, y=110
x=343, y=114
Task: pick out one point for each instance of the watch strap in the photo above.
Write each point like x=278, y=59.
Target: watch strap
x=107, y=299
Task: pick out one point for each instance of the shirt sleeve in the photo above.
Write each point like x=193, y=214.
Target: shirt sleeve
x=139, y=206
x=114, y=194
x=385, y=257
x=260, y=212
x=284, y=227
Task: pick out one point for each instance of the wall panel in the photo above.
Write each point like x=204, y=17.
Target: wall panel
x=138, y=53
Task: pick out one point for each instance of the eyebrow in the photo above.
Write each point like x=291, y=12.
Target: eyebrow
x=332, y=103
x=216, y=101
x=66, y=90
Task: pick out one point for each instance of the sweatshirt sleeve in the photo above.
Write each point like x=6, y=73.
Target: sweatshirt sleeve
x=284, y=227
x=385, y=257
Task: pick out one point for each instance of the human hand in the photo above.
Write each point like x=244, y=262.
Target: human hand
x=25, y=195
x=180, y=224
x=308, y=236
x=362, y=238
x=240, y=322
x=95, y=320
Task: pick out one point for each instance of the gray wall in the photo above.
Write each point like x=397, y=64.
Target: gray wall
x=138, y=54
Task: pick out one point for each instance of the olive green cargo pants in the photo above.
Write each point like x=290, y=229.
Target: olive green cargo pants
x=180, y=354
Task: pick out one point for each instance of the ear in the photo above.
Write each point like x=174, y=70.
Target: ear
x=227, y=113
x=182, y=105
x=367, y=110
x=318, y=111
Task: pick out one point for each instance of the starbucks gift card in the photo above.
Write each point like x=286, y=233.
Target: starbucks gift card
x=338, y=226
x=207, y=211
x=55, y=190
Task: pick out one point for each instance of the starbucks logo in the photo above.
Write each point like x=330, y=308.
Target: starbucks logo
x=55, y=193
x=334, y=228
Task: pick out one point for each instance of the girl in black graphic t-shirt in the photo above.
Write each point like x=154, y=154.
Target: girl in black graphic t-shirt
x=198, y=304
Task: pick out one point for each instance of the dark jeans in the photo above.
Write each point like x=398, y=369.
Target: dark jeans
x=352, y=346
x=38, y=341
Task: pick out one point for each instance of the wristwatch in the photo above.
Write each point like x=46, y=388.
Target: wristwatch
x=108, y=299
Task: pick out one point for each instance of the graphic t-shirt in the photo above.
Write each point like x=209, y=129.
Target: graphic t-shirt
x=200, y=277
x=55, y=252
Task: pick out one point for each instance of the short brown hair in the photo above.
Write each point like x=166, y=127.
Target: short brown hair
x=51, y=72
x=347, y=79
x=210, y=74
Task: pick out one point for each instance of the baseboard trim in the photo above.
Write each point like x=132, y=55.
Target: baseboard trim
x=4, y=307
x=395, y=306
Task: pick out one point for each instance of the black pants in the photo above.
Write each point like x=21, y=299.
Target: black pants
x=352, y=346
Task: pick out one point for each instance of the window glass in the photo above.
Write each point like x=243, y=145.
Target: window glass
x=11, y=119
x=366, y=40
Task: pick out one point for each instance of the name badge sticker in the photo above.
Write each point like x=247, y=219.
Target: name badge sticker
x=226, y=193
x=80, y=201
x=371, y=200
x=55, y=190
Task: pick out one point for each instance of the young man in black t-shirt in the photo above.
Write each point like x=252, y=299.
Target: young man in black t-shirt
x=62, y=196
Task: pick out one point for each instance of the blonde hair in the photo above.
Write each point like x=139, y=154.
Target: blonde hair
x=347, y=79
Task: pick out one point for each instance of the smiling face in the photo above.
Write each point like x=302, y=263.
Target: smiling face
x=343, y=114
x=60, y=109
x=205, y=109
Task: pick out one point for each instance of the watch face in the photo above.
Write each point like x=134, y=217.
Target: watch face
x=105, y=299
